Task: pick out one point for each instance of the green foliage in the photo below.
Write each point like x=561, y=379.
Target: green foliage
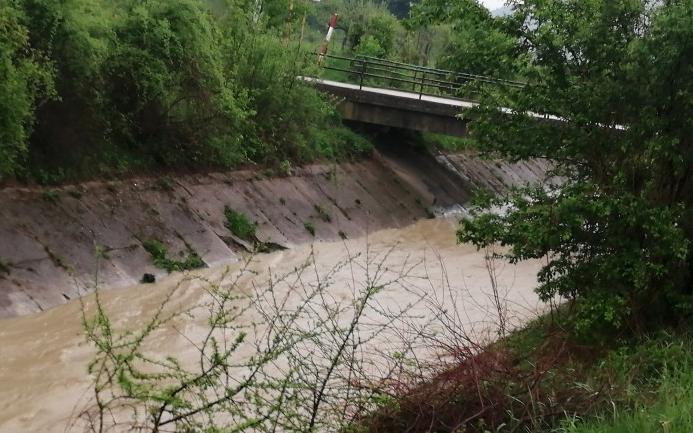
x=478, y=42
x=26, y=80
x=4, y=268
x=656, y=375
x=310, y=228
x=616, y=232
x=167, y=85
x=161, y=259
x=104, y=88
x=448, y=142
x=239, y=224
x=50, y=196
x=322, y=214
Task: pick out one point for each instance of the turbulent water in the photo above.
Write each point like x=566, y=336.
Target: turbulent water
x=44, y=357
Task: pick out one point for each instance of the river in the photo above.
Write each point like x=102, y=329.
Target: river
x=44, y=357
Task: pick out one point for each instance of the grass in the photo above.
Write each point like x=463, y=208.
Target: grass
x=448, y=143
x=310, y=228
x=542, y=379
x=161, y=259
x=672, y=413
x=239, y=224
x=165, y=183
x=50, y=196
x=322, y=214
x=654, y=382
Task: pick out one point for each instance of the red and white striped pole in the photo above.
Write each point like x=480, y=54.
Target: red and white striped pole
x=330, y=30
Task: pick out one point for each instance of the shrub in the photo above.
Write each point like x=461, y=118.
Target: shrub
x=239, y=224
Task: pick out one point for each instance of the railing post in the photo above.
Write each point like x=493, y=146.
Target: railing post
x=423, y=81
x=363, y=72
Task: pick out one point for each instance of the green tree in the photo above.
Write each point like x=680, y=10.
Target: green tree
x=478, y=44
x=26, y=80
x=74, y=36
x=168, y=86
x=616, y=230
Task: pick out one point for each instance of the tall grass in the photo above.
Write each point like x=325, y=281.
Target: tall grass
x=672, y=412
x=654, y=381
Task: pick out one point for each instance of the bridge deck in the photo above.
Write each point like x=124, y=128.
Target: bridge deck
x=391, y=92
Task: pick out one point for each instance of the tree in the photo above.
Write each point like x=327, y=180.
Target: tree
x=616, y=230
x=26, y=80
x=168, y=86
x=479, y=43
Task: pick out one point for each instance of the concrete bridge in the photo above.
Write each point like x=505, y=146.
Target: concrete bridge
x=430, y=105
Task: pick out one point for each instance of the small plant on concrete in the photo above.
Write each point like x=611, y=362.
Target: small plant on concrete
x=310, y=228
x=239, y=224
x=159, y=254
x=286, y=168
x=4, y=267
x=323, y=214
x=165, y=183
x=50, y=196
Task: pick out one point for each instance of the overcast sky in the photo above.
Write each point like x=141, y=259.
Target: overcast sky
x=493, y=4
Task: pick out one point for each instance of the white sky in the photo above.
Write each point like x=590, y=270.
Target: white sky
x=493, y=4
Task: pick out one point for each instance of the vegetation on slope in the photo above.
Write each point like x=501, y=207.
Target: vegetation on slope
x=103, y=88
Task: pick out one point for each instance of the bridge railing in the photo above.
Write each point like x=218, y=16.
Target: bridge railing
x=421, y=80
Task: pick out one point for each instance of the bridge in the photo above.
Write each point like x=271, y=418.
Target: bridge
x=389, y=93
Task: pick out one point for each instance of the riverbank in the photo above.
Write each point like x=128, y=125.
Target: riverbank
x=59, y=243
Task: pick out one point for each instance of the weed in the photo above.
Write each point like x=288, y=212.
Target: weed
x=323, y=214
x=239, y=224
x=159, y=254
x=343, y=235
x=285, y=168
x=282, y=201
x=51, y=196
x=310, y=228
x=4, y=267
x=101, y=252
x=165, y=183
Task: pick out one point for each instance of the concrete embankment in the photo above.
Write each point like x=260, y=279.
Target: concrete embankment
x=59, y=243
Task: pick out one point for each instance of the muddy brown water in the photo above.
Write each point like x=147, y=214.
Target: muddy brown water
x=44, y=357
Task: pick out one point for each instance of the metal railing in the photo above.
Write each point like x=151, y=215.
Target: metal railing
x=421, y=80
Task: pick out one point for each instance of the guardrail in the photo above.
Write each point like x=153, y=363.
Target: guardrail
x=417, y=79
